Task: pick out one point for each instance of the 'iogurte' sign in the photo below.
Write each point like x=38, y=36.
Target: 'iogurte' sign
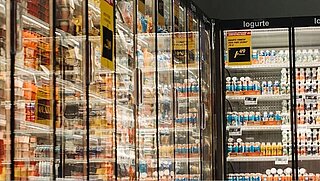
x=256, y=24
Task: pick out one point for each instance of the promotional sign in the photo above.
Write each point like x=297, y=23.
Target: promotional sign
x=142, y=6
x=184, y=45
x=239, y=48
x=106, y=33
x=161, y=21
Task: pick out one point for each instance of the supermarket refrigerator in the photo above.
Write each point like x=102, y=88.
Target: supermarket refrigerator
x=257, y=121
x=306, y=56
x=106, y=90
x=270, y=100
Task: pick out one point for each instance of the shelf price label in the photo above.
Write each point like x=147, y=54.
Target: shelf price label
x=235, y=131
x=282, y=160
x=239, y=48
x=249, y=101
x=107, y=33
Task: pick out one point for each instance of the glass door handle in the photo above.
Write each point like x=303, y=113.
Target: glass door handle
x=176, y=102
x=203, y=116
x=138, y=91
x=140, y=86
x=90, y=68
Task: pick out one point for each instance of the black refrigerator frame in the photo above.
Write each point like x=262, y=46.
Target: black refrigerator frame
x=221, y=124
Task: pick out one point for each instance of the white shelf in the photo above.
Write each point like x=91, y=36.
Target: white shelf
x=260, y=97
x=162, y=130
x=257, y=128
x=91, y=160
x=268, y=158
x=301, y=126
x=273, y=127
x=195, y=159
x=253, y=159
x=271, y=67
x=258, y=67
x=308, y=158
x=33, y=159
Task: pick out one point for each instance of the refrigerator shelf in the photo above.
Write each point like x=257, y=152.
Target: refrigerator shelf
x=271, y=67
x=168, y=69
x=269, y=158
x=196, y=159
x=259, y=97
x=33, y=159
x=167, y=129
x=273, y=127
x=258, y=67
x=91, y=160
x=257, y=128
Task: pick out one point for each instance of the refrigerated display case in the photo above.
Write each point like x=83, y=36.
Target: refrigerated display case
x=270, y=112
x=306, y=56
x=257, y=84
x=146, y=114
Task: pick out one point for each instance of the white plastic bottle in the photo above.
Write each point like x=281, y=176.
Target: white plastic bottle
x=316, y=55
x=310, y=55
x=298, y=56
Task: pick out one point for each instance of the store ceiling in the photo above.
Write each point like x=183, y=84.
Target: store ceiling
x=246, y=9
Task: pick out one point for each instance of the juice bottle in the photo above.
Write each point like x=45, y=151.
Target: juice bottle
x=268, y=149
x=279, y=149
x=263, y=149
x=274, y=149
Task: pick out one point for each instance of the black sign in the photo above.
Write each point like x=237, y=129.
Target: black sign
x=241, y=54
x=256, y=23
x=306, y=21
x=107, y=43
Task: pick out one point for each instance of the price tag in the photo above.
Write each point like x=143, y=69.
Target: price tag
x=303, y=127
x=235, y=131
x=282, y=160
x=249, y=101
x=285, y=127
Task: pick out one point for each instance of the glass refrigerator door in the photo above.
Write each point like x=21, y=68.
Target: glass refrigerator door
x=193, y=95
x=70, y=57
x=102, y=96
x=206, y=113
x=166, y=130
x=181, y=141
x=33, y=154
x=146, y=127
x=307, y=61
x=4, y=91
x=125, y=64
x=257, y=112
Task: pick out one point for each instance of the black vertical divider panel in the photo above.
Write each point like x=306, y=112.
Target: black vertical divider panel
x=292, y=105
x=293, y=108
x=13, y=42
x=87, y=83
x=115, y=90
x=174, y=87
x=214, y=96
x=157, y=81
x=200, y=95
x=136, y=88
x=220, y=158
x=54, y=87
x=187, y=2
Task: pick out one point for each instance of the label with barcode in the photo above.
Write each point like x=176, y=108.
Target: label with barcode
x=235, y=132
x=282, y=160
x=248, y=101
